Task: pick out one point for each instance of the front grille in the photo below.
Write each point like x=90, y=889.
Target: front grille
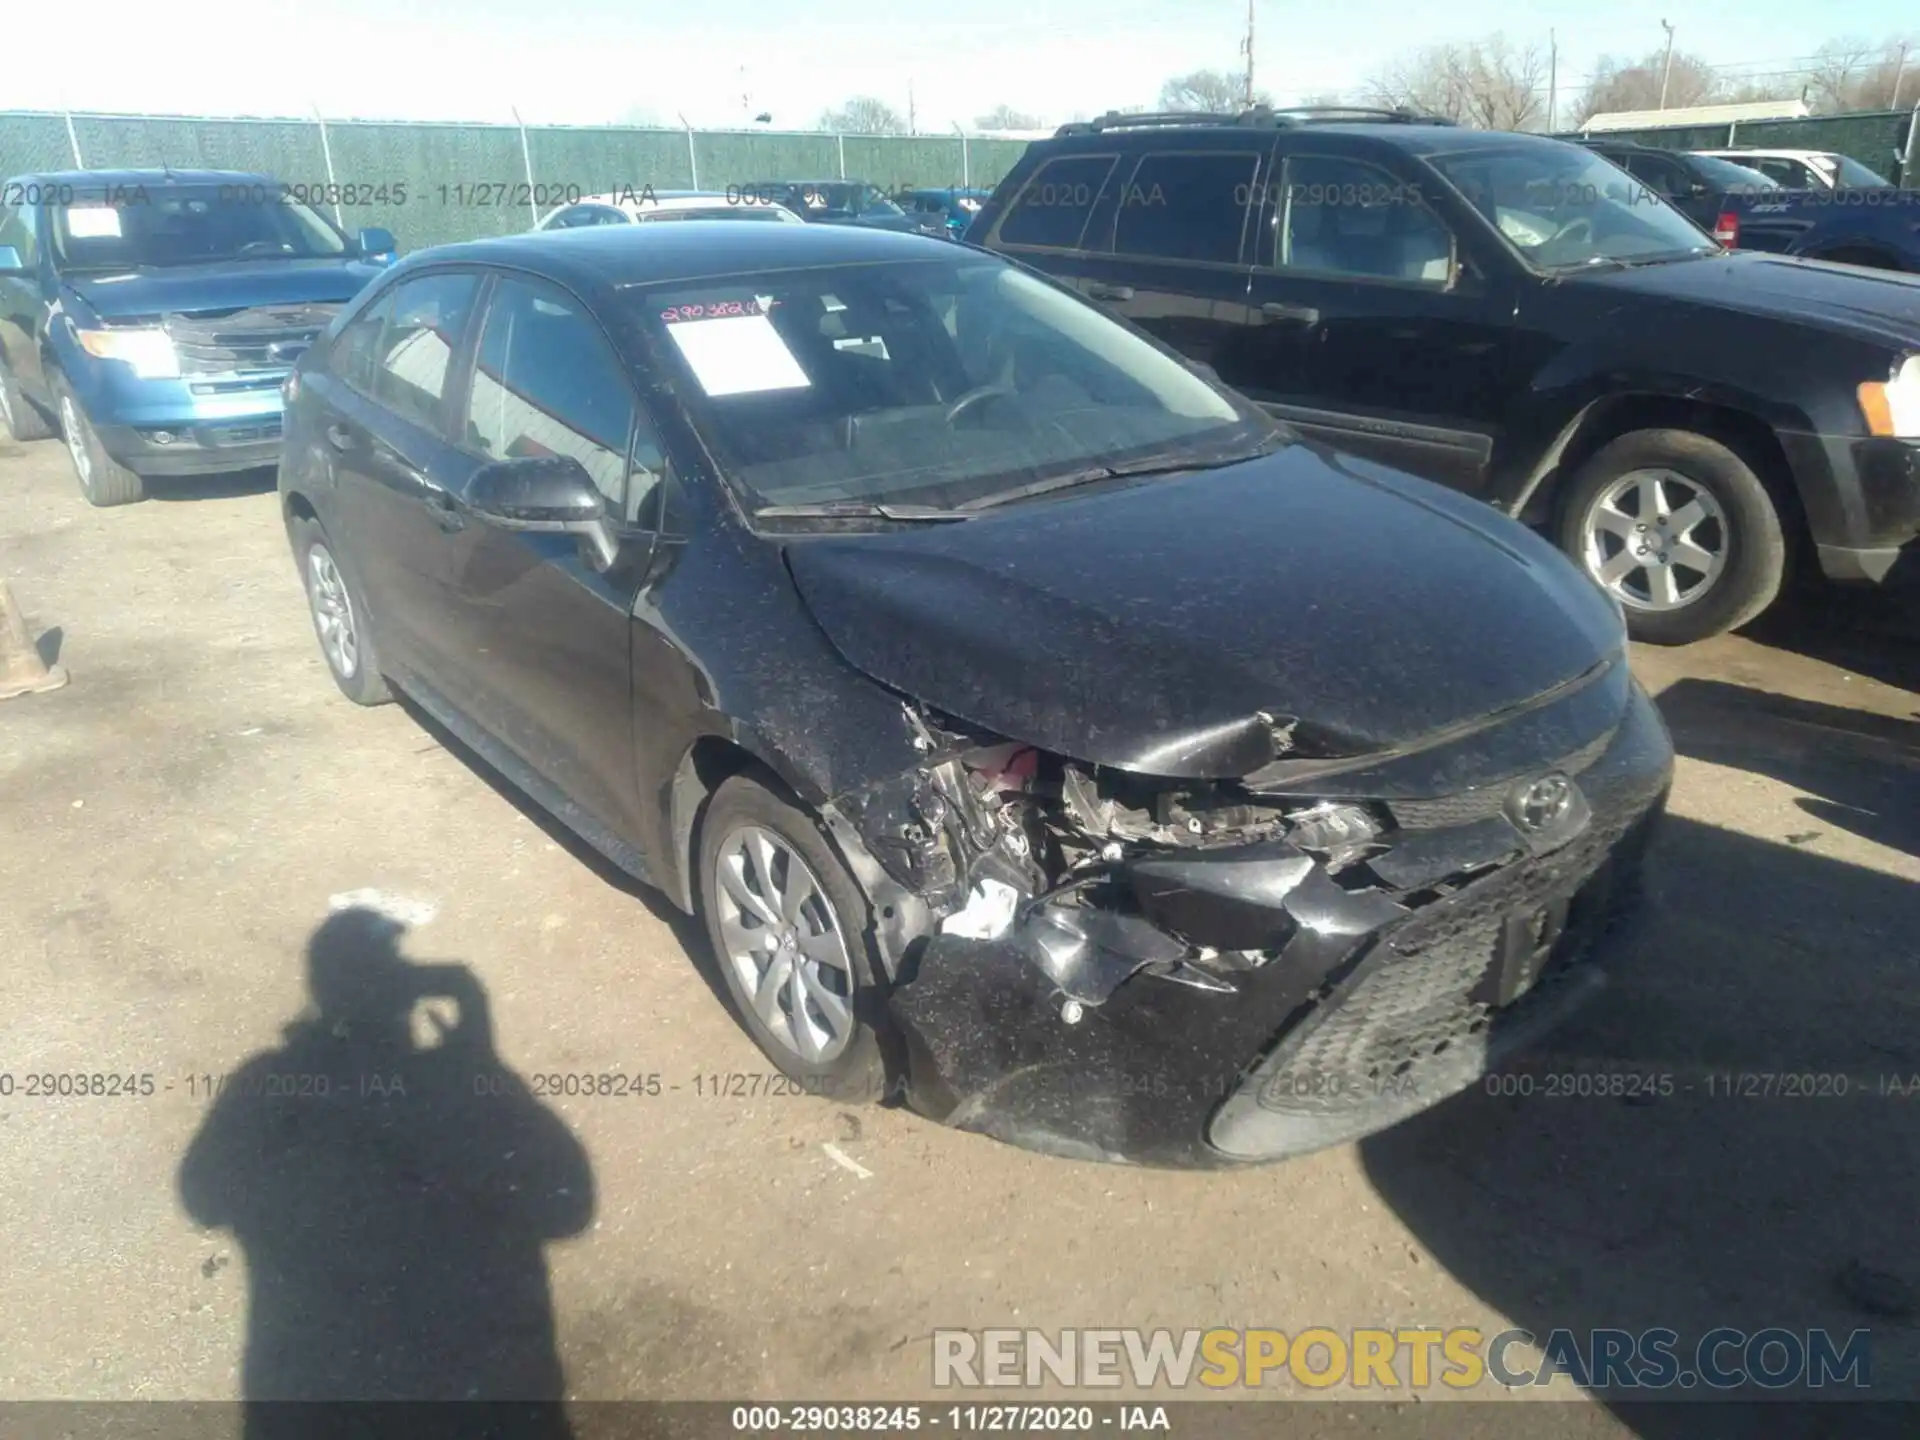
x=1471, y=806
x=1419, y=1021
x=267, y=337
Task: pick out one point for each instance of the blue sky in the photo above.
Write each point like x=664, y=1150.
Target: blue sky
x=599, y=61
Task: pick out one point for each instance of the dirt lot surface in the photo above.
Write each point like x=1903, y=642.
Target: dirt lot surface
x=177, y=822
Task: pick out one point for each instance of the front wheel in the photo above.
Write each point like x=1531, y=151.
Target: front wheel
x=789, y=930
x=103, y=480
x=339, y=618
x=1680, y=530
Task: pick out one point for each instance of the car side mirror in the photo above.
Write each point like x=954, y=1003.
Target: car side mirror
x=545, y=494
x=1699, y=188
x=377, y=244
x=10, y=261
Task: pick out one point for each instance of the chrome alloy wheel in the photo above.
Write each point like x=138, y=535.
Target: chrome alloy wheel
x=72, y=426
x=332, y=612
x=1655, y=540
x=785, y=944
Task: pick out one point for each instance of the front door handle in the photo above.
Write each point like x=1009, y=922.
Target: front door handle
x=446, y=510
x=339, y=437
x=1101, y=291
x=1281, y=310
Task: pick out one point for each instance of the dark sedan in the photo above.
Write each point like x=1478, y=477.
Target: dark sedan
x=1042, y=733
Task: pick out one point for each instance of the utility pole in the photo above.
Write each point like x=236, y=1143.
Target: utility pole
x=910, y=113
x=1247, y=47
x=1666, y=72
x=1899, y=76
x=1553, y=83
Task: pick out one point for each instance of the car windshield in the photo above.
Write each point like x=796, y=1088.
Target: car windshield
x=1855, y=176
x=929, y=382
x=1561, y=207
x=142, y=227
x=1736, y=179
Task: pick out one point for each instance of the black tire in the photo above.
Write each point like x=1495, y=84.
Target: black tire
x=103, y=480
x=359, y=679
x=1754, y=538
x=857, y=1072
x=20, y=418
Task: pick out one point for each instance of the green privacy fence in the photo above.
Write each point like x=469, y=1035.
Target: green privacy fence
x=435, y=183
x=1883, y=140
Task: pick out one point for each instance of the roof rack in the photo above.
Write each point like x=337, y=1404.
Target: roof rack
x=1254, y=117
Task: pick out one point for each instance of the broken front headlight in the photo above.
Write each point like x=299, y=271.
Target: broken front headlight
x=1340, y=832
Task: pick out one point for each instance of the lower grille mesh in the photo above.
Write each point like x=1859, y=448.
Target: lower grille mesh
x=1420, y=1016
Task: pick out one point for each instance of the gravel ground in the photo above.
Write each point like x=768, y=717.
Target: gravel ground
x=179, y=820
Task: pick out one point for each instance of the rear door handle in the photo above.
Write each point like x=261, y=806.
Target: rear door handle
x=1280, y=310
x=339, y=436
x=1110, y=292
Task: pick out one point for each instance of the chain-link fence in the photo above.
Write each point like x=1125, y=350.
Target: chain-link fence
x=433, y=183
x=1885, y=141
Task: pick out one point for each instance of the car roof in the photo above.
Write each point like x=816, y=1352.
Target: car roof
x=1770, y=154
x=606, y=258
x=658, y=200
x=1418, y=137
x=89, y=179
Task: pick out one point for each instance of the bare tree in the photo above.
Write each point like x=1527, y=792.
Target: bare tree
x=1635, y=84
x=864, y=115
x=1484, y=83
x=1853, y=75
x=1214, y=91
x=1833, y=79
x=1005, y=117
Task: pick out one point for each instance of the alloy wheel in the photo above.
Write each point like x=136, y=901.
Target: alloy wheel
x=1655, y=540
x=784, y=943
x=73, y=427
x=332, y=612
x=6, y=408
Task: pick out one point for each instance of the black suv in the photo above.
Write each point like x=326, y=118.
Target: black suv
x=1518, y=318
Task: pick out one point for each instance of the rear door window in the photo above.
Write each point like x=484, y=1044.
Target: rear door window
x=1053, y=207
x=415, y=356
x=1186, y=206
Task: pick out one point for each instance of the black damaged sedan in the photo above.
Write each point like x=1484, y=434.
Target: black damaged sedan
x=1044, y=735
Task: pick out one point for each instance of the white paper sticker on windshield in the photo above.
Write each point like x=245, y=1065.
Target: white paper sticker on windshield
x=738, y=355
x=92, y=222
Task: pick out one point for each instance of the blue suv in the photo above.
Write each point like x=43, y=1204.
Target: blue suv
x=150, y=316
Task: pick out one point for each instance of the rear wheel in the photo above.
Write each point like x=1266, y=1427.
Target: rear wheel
x=19, y=418
x=339, y=619
x=103, y=480
x=789, y=929
x=1680, y=530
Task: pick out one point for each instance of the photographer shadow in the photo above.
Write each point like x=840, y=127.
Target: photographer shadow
x=393, y=1186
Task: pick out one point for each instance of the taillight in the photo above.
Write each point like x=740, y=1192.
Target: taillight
x=1727, y=229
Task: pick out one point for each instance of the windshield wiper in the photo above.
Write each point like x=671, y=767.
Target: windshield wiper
x=857, y=509
x=1094, y=473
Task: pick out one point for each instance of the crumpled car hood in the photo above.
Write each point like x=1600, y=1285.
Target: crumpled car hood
x=1146, y=627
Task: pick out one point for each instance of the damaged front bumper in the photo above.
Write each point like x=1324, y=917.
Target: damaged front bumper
x=1098, y=1034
